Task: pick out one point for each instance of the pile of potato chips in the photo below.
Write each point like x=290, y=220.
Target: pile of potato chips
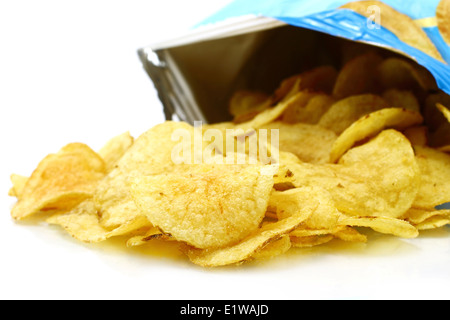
x=365, y=146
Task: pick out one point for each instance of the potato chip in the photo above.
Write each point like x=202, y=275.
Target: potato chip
x=379, y=178
x=273, y=249
x=443, y=18
x=287, y=203
x=115, y=149
x=386, y=225
x=209, y=209
x=371, y=125
x=435, y=178
x=401, y=99
x=152, y=234
x=349, y=234
x=433, y=116
x=401, y=74
x=311, y=241
x=433, y=223
x=268, y=233
x=321, y=79
x=398, y=23
x=444, y=111
x=83, y=224
x=150, y=154
x=418, y=216
x=345, y=112
x=61, y=181
x=310, y=143
x=19, y=182
x=310, y=111
x=272, y=114
x=357, y=76
x=418, y=136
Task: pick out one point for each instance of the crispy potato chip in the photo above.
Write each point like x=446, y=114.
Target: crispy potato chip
x=444, y=111
x=371, y=125
x=345, y=112
x=311, y=241
x=260, y=239
x=350, y=235
x=418, y=136
x=321, y=79
x=433, y=223
x=386, y=225
x=357, y=76
x=418, y=216
x=401, y=74
x=443, y=18
x=401, y=99
x=209, y=209
x=83, y=224
x=433, y=116
x=150, y=154
x=310, y=111
x=435, y=178
x=273, y=249
x=287, y=203
x=61, y=181
x=310, y=143
x=379, y=178
x=272, y=114
x=115, y=149
x=19, y=183
x=398, y=23
x=152, y=234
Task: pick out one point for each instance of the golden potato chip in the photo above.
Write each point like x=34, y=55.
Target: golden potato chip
x=401, y=99
x=83, y=224
x=401, y=74
x=379, y=178
x=343, y=113
x=433, y=116
x=371, y=125
x=349, y=234
x=433, y=223
x=152, y=234
x=310, y=143
x=357, y=76
x=273, y=249
x=321, y=79
x=209, y=209
x=311, y=241
x=398, y=23
x=272, y=114
x=418, y=136
x=61, y=181
x=310, y=110
x=268, y=233
x=18, y=183
x=418, y=216
x=115, y=149
x=287, y=203
x=443, y=18
x=386, y=225
x=444, y=111
x=435, y=178
x=150, y=154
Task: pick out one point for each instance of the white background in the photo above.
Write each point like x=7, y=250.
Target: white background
x=69, y=72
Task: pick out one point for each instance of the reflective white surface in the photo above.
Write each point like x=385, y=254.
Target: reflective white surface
x=69, y=72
